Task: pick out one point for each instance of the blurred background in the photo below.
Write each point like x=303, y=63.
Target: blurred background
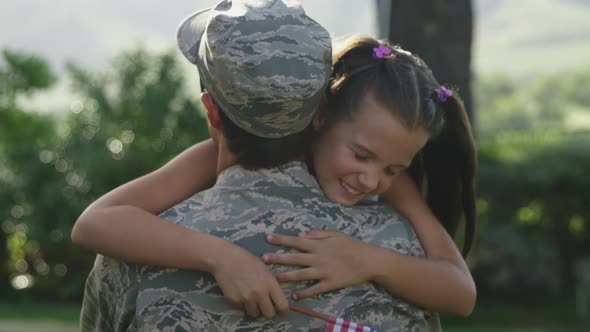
x=94, y=94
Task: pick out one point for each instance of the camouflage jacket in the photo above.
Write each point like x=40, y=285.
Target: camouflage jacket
x=243, y=207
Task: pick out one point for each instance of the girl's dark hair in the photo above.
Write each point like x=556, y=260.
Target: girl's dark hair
x=445, y=168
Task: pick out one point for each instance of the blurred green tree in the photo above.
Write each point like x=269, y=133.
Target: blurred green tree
x=547, y=98
x=534, y=215
x=22, y=74
x=501, y=106
x=549, y=102
x=576, y=86
x=21, y=135
x=122, y=123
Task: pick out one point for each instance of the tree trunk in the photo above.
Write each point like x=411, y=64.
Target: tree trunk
x=440, y=32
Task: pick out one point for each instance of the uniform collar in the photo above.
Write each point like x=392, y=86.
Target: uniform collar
x=291, y=174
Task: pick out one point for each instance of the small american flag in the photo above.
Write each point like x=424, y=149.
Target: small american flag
x=336, y=324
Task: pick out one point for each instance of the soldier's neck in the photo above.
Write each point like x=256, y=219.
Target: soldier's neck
x=225, y=158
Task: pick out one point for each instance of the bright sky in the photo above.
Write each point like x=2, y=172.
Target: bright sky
x=91, y=33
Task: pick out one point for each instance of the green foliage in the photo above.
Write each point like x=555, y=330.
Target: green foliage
x=23, y=75
x=40, y=311
x=499, y=106
x=534, y=222
x=547, y=98
x=552, y=102
x=552, y=317
x=123, y=123
x=22, y=134
x=130, y=120
x=575, y=88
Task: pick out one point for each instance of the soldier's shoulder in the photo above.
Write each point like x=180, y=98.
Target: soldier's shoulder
x=177, y=213
x=375, y=208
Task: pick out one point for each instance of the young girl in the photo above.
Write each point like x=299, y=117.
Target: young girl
x=370, y=80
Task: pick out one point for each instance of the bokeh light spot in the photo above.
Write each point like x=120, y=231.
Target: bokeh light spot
x=22, y=281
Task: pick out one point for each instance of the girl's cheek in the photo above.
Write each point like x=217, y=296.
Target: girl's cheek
x=384, y=186
x=388, y=184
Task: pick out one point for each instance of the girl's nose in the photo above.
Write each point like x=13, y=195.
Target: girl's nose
x=369, y=181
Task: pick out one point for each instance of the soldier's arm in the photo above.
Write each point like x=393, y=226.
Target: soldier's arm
x=124, y=224
x=97, y=313
x=109, y=296
x=444, y=262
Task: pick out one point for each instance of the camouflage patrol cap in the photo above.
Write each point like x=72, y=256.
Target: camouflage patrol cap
x=265, y=62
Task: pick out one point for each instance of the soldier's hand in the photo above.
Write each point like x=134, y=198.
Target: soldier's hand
x=248, y=283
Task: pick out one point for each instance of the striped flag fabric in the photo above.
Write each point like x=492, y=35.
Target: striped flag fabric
x=336, y=324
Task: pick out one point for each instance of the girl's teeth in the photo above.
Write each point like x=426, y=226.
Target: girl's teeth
x=352, y=191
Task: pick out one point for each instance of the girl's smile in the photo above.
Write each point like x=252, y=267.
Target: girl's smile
x=348, y=190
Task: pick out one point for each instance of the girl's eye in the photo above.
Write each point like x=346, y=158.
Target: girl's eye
x=391, y=172
x=360, y=157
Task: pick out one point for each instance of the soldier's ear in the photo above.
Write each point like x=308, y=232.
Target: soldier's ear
x=211, y=109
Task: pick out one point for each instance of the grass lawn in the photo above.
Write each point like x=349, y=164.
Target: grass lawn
x=497, y=318
x=493, y=329
x=40, y=312
x=510, y=318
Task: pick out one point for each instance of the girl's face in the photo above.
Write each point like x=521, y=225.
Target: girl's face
x=357, y=159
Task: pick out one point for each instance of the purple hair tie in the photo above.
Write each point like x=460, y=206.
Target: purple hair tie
x=443, y=93
x=381, y=52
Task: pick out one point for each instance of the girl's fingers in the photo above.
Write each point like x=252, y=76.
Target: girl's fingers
x=280, y=300
x=251, y=309
x=300, y=259
x=298, y=275
x=295, y=242
x=266, y=307
x=316, y=234
x=314, y=290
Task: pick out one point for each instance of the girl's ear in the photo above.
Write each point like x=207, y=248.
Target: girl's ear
x=211, y=109
x=319, y=118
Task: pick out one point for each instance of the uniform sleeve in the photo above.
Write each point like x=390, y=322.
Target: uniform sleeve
x=109, y=296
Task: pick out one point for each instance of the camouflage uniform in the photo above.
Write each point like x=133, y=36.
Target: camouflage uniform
x=243, y=207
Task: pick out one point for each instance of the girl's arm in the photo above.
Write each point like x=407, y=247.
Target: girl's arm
x=123, y=224
x=440, y=282
x=452, y=289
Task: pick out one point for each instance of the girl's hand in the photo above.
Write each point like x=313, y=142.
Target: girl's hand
x=249, y=284
x=333, y=258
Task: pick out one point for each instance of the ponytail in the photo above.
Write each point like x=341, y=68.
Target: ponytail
x=445, y=169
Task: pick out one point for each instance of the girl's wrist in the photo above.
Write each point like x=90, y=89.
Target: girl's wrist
x=370, y=261
x=379, y=264
x=212, y=252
